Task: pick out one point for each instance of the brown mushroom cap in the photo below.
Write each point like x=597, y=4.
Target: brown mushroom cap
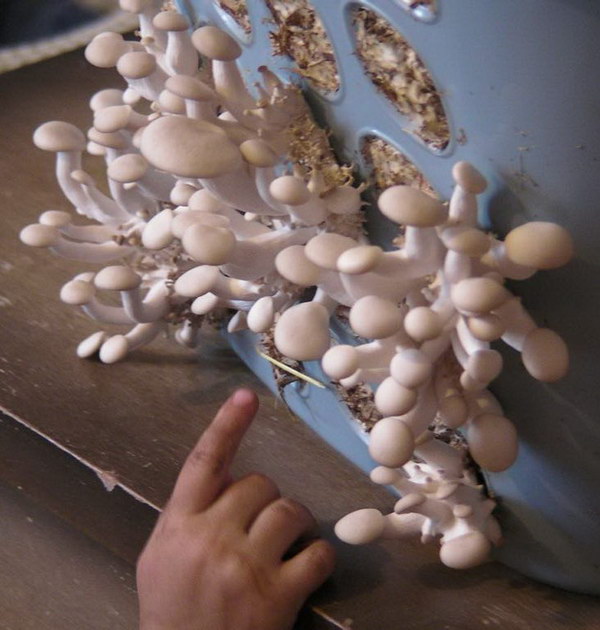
x=117, y=278
x=58, y=136
x=258, y=153
x=106, y=98
x=393, y=399
x=294, y=266
x=77, y=292
x=325, y=249
x=290, y=190
x=493, y=441
x=189, y=148
x=302, y=332
x=484, y=365
x=478, y=295
x=539, y=244
x=466, y=551
x=181, y=193
x=466, y=240
x=360, y=527
x=214, y=43
x=136, y=65
x=411, y=368
x=170, y=103
x=360, y=259
x=545, y=355
x=56, y=218
x=469, y=178
x=486, y=327
x=170, y=21
x=408, y=206
x=110, y=140
x=105, y=49
x=127, y=168
x=340, y=362
x=422, y=323
x=37, y=235
x=391, y=442
x=185, y=86
x=209, y=245
x=203, y=201
x=112, y=118
x=374, y=317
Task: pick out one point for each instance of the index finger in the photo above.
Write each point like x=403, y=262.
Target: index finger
x=206, y=469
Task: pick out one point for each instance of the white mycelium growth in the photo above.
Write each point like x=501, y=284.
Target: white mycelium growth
x=206, y=212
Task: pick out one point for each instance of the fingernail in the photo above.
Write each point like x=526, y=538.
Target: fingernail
x=242, y=397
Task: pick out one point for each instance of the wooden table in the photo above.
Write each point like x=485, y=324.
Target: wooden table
x=134, y=422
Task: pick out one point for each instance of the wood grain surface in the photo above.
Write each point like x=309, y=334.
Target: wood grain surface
x=135, y=421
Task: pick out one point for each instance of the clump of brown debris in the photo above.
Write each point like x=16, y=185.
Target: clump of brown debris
x=301, y=35
x=395, y=68
x=239, y=12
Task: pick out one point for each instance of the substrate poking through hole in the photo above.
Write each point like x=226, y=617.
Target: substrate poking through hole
x=396, y=70
x=301, y=35
x=238, y=10
x=390, y=167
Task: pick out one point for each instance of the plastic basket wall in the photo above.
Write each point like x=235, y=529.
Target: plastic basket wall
x=519, y=83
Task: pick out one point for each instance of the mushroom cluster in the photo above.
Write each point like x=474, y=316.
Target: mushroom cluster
x=208, y=212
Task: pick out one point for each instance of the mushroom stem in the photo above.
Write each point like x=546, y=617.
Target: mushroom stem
x=463, y=207
x=441, y=456
x=152, y=307
x=518, y=323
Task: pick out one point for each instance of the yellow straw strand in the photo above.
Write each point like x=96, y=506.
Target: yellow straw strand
x=287, y=368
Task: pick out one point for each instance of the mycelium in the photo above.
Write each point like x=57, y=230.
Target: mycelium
x=219, y=203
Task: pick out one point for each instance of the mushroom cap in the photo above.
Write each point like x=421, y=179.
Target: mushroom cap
x=391, y=442
x=127, y=168
x=258, y=153
x=453, y=411
x=185, y=86
x=325, y=249
x=117, y=278
x=58, y=136
x=181, y=193
x=539, y=244
x=466, y=551
x=294, y=266
x=408, y=206
x=77, y=292
x=486, y=327
x=197, y=281
x=105, y=49
x=545, y=355
x=290, y=190
x=340, y=362
x=261, y=315
x=302, y=332
x=106, y=98
x=383, y=476
x=136, y=65
x=209, y=245
x=411, y=368
x=170, y=103
x=82, y=177
x=112, y=118
x=484, y=365
x=184, y=220
x=205, y=304
x=466, y=240
x=204, y=201
x=90, y=345
x=157, y=232
x=110, y=140
x=170, y=21
x=393, y=399
x=422, y=323
x=38, y=235
x=468, y=178
x=343, y=200
x=56, y=218
x=133, y=6
x=114, y=349
x=493, y=441
x=189, y=148
x=214, y=43
x=360, y=259
x=374, y=317
x=478, y=295
x=360, y=527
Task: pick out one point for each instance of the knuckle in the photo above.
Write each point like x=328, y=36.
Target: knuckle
x=203, y=456
x=263, y=482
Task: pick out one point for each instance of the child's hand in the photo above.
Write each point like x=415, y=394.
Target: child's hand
x=214, y=560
